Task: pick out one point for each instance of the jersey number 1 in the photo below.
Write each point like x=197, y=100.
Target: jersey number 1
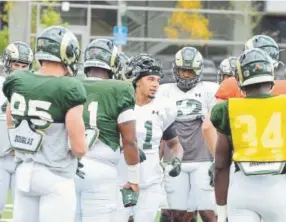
x=92, y=133
x=147, y=144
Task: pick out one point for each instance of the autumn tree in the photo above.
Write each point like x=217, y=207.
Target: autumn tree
x=192, y=24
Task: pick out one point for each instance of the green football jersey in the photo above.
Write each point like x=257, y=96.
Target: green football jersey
x=59, y=93
x=106, y=99
x=39, y=105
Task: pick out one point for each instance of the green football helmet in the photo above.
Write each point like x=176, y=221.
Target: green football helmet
x=254, y=66
x=124, y=60
x=227, y=67
x=267, y=44
x=17, y=52
x=102, y=53
x=58, y=44
x=188, y=58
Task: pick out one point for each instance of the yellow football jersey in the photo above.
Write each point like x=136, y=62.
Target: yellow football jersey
x=258, y=129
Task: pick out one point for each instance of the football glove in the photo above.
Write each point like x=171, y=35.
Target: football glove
x=142, y=156
x=79, y=172
x=129, y=197
x=211, y=174
x=176, y=167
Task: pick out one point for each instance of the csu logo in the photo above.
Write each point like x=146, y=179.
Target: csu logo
x=189, y=107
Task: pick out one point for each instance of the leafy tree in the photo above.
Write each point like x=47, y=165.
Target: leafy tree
x=194, y=25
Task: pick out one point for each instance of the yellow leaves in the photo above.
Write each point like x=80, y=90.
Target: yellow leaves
x=193, y=24
x=50, y=17
x=171, y=32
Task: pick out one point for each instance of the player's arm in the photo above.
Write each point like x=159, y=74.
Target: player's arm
x=9, y=120
x=73, y=104
x=76, y=131
x=131, y=153
x=161, y=148
x=222, y=170
x=220, y=120
x=208, y=130
x=209, y=133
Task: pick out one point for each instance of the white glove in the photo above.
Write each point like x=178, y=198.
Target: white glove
x=221, y=213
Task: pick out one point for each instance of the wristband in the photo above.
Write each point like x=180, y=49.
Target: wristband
x=221, y=211
x=133, y=173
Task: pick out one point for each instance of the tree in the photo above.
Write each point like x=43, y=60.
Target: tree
x=193, y=25
x=4, y=33
x=49, y=16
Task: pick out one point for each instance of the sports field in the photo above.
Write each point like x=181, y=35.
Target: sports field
x=7, y=216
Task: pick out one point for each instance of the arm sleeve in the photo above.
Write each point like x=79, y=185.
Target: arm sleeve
x=220, y=119
x=170, y=132
x=76, y=95
x=126, y=98
x=9, y=83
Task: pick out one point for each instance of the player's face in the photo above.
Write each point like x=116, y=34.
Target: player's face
x=19, y=66
x=224, y=77
x=187, y=74
x=149, y=85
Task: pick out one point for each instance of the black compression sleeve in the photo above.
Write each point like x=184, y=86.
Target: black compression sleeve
x=170, y=132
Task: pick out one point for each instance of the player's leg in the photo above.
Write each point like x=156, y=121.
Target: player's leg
x=4, y=185
x=177, y=190
x=26, y=208
x=148, y=203
x=58, y=198
x=272, y=198
x=121, y=214
x=99, y=194
x=202, y=192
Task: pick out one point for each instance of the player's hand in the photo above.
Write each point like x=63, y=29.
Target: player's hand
x=176, y=167
x=79, y=172
x=211, y=174
x=131, y=186
x=142, y=156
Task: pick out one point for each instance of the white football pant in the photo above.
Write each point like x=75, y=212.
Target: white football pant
x=7, y=179
x=97, y=192
x=257, y=198
x=42, y=196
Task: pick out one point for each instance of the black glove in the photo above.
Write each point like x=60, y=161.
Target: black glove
x=79, y=172
x=211, y=174
x=142, y=156
x=176, y=169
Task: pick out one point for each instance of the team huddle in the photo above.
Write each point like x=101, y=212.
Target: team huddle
x=116, y=146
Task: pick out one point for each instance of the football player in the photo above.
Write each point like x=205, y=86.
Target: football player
x=108, y=113
x=230, y=89
x=47, y=108
x=253, y=137
x=226, y=69
x=190, y=191
x=155, y=118
x=17, y=56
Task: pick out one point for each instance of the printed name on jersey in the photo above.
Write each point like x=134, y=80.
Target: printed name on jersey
x=24, y=140
x=261, y=168
x=189, y=107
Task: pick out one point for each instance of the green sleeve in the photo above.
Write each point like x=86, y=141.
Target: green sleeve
x=220, y=119
x=126, y=98
x=75, y=95
x=9, y=84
